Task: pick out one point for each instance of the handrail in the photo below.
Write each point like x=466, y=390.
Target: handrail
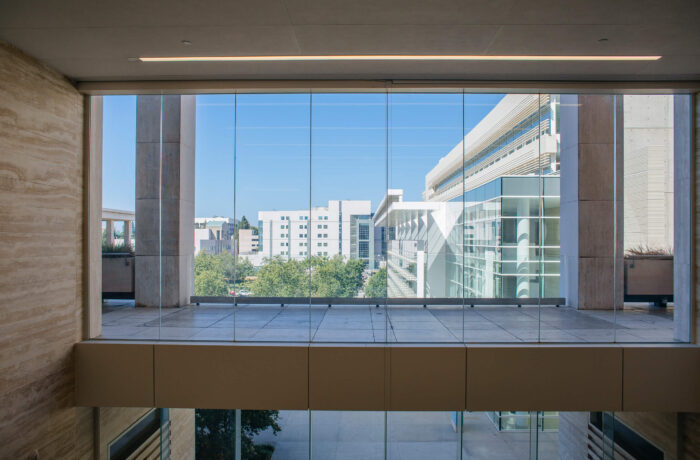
x=425, y=301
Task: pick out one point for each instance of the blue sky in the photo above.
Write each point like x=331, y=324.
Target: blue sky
x=348, y=156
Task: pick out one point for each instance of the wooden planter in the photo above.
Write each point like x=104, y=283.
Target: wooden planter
x=649, y=279
x=118, y=276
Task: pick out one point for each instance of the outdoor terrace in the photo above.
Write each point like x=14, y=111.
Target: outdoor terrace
x=387, y=323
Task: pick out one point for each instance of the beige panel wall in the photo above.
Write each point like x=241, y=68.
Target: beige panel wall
x=427, y=378
x=348, y=378
x=544, y=378
x=661, y=379
x=231, y=376
x=114, y=375
x=41, y=202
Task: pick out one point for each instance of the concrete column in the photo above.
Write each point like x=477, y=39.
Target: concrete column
x=165, y=199
x=682, y=216
x=109, y=233
x=591, y=202
x=127, y=232
x=522, y=288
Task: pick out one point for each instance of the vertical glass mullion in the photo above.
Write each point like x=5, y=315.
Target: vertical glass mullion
x=540, y=223
x=160, y=218
x=236, y=243
x=310, y=220
x=387, y=108
x=615, y=213
x=461, y=230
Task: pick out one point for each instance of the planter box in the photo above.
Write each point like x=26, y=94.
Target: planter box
x=649, y=279
x=118, y=276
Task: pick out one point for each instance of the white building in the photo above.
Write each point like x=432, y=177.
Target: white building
x=248, y=241
x=648, y=172
x=214, y=235
x=343, y=227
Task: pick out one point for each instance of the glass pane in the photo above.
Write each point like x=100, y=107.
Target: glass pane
x=422, y=216
x=215, y=269
x=503, y=164
x=485, y=435
x=647, y=164
x=348, y=182
x=272, y=183
x=421, y=435
x=118, y=236
x=348, y=434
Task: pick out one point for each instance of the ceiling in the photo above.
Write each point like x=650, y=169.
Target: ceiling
x=90, y=40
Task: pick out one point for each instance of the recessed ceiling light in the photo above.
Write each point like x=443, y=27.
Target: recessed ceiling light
x=601, y=40
x=394, y=57
x=186, y=42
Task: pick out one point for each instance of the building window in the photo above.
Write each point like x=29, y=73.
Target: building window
x=363, y=251
x=325, y=226
x=325, y=244
x=364, y=231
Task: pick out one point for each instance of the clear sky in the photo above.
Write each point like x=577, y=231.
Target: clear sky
x=348, y=154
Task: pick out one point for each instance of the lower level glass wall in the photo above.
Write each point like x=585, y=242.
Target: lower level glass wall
x=398, y=435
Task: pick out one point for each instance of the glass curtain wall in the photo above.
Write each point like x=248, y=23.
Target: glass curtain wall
x=397, y=217
x=348, y=178
x=273, y=183
x=422, y=219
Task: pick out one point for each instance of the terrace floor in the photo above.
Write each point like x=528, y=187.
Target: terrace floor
x=402, y=324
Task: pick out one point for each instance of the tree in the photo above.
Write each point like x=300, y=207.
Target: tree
x=215, y=432
x=210, y=275
x=211, y=282
x=281, y=278
x=244, y=268
x=376, y=284
x=336, y=277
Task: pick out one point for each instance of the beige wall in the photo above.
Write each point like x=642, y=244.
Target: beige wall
x=41, y=177
x=182, y=434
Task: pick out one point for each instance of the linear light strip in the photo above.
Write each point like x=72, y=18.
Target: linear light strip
x=394, y=57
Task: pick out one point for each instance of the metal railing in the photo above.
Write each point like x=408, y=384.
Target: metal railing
x=378, y=301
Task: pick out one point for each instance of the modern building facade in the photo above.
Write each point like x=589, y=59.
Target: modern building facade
x=248, y=241
x=341, y=228
x=214, y=235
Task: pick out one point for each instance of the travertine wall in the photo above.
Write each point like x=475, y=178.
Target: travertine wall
x=182, y=434
x=41, y=202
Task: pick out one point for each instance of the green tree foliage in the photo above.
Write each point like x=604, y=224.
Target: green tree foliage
x=215, y=432
x=282, y=278
x=336, y=277
x=244, y=267
x=216, y=275
x=376, y=284
x=210, y=283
